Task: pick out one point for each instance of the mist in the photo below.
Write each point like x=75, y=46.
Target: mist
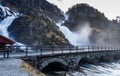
x=80, y=36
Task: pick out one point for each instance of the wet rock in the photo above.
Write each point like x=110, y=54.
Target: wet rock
x=116, y=57
x=85, y=60
x=104, y=58
x=95, y=61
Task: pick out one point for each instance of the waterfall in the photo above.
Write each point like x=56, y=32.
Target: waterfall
x=6, y=22
x=80, y=37
x=9, y=16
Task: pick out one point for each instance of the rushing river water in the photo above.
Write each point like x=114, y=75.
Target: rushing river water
x=104, y=69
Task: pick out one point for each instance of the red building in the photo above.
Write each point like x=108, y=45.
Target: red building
x=5, y=41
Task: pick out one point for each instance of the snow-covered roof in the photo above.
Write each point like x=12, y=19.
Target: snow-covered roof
x=6, y=40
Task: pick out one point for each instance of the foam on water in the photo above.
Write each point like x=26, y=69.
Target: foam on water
x=105, y=69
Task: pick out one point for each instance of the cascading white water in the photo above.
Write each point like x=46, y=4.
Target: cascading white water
x=6, y=22
x=9, y=17
x=104, y=69
x=4, y=25
x=80, y=37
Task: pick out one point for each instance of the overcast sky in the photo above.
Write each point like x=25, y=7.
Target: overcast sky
x=111, y=8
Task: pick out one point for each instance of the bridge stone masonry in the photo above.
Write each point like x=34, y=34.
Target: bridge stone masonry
x=64, y=58
x=47, y=58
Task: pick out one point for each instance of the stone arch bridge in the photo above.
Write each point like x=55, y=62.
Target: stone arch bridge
x=62, y=58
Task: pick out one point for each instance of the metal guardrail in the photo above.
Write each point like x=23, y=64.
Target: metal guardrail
x=20, y=51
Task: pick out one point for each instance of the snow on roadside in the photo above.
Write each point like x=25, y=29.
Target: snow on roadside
x=12, y=67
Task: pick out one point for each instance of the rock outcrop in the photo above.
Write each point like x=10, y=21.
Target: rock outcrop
x=42, y=7
x=36, y=23
x=103, y=31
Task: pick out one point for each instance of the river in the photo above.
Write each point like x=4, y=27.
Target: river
x=103, y=69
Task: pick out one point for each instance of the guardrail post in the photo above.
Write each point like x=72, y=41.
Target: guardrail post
x=82, y=47
x=26, y=51
x=109, y=47
x=77, y=48
x=70, y=49
x=98, y=48
x=118, y=48
x=36, y=48
x=41, y=50
x=105, y=48
x=114, y=48
x=93, y=48
x=4, y=52
x=8, y=50
x=53, y=48
x=62, y=49
x=88, y=48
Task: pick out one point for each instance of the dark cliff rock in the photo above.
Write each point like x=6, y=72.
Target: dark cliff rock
x=104, y=58
x=41, y=6
x=82, y=13
x=39, y=31
x=5, y=12
x=2, y=16
x=36, y=24
x=103, y=31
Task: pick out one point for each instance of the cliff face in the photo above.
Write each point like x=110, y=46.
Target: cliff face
x=103, y=31
x=82, y=13
x=39, y=31
x=42, y=7
x=36, y=24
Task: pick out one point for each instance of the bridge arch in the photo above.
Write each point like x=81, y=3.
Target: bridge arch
x=55, y=64
x=84, y=60
x=53, y=67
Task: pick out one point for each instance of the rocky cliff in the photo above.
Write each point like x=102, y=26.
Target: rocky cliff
x=103, y=31
x=36, y=22
x=41, y=7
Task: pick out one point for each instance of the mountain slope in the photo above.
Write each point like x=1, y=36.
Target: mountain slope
x=42, y=7
x=36, y=23
x=103, y=31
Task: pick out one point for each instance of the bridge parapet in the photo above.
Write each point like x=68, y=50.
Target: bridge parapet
x=48, y=50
